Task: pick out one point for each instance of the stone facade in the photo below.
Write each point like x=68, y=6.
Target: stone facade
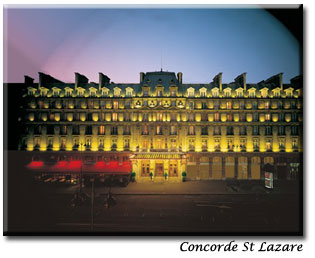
x=166, y=128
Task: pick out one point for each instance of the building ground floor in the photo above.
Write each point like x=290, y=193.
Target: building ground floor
x=161, y=166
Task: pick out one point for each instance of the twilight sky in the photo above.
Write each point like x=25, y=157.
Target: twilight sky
x=123, y=42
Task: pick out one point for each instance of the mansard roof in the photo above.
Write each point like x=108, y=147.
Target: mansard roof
x=165, y=79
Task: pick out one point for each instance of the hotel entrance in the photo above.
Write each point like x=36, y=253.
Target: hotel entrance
x=159, y=169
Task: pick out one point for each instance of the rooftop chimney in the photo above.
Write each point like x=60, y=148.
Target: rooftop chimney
x=141, y=77
x=80, y=79
x=218, y=80
x=180, y=77
x=28, y=80
x=241, y=79
x=103, y=80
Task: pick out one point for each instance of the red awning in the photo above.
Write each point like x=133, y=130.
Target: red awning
x=75, y=166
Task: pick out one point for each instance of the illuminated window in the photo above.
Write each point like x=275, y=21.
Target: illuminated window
x=191, y=92
x=191, y=144
x=277, y=93
x=216, y=117
x=203, y=92
x=80, y=92
x=115, y=104
x=230, y=145
x=217, y=130
x=159, y=92
x=191, y=130
x=173, y=130
x=264, y=93
x=115, y=116
x=92, y=92
x=159, y=117
x=173, y=93
x=229, y=117
x=204, y=144
x=227, y=93
x=129, y=92
x=159, y=144
x=158, y=130
x=105, y=92
x=267, y=116
x=145, y=170
x=145, y=144
x=126, y=143
x=102, y=130
x=268, y=145
x=239, y=93
x=215, y=93
x=252, y=93
x=217, y=145
x=173, y=143
x=63, y=143
x=229, y=104
x=256, y=144
x=117, y=92
x=145, y=130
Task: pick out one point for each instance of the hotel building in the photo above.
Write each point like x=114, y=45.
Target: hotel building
x=162, y=128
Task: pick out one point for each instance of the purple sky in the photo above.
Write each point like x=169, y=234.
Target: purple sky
x=123, y=42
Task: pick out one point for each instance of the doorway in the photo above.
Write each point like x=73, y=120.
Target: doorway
x=159, y=169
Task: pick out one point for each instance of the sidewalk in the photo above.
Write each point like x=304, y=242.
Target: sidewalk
x=204, y=187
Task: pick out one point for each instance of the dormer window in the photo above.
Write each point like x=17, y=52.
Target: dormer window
x=145, y=91
x=203, y=92
x=227, y=92
x=215, y=92
x=159, y=92
x=129, y=92
x=276, y=93
x=117, y=92
x=68, y=92
x=56, y=92
x=43, y=92
x=252, y=93
x=105, y=92
x=264, y=92
x=31, y=91
x=239, y=93
x=80, y=92
x=191, y=92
